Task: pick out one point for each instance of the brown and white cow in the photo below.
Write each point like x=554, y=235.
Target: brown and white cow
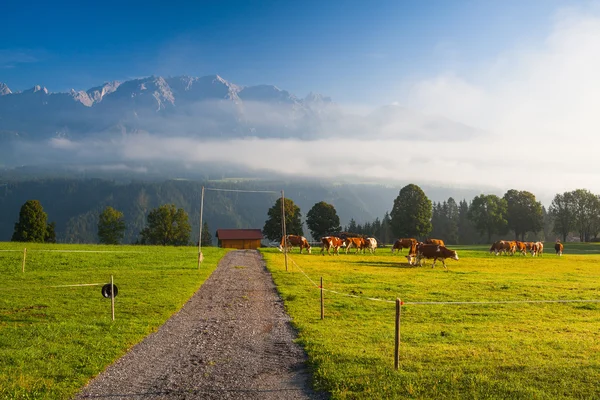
x=429, y=251
x=537, y=248
x=558, y=247
x=521, y=247
x=404, y=243
x=503, y=246
x=371, y=244
x=438, y=242
x=331, y=242
x=412, y=253
x=295, y=240
x=357, y=242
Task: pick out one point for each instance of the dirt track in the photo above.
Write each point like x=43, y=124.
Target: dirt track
x=232, y=340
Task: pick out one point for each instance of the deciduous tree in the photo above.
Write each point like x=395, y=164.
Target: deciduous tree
x=488, y=213
x=562, y=212
x=167, y=225
x=524, y=213
x=322, y=219
x=111, y=226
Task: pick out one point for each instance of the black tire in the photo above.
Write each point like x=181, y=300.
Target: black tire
x=106, y=290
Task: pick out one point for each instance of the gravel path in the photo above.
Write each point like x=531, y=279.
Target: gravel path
x=231, y=340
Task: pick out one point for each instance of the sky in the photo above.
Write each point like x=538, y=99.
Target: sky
x=523, y=72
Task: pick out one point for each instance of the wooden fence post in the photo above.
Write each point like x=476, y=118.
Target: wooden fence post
x=112, y=297
x=24, y=257
x=397, y=340
x=322, y=303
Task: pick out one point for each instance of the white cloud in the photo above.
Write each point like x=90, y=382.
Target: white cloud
x=538, y=105
x=536, y=110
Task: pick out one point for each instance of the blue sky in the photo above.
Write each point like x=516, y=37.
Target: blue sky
x=355, y=51
x=524, y=74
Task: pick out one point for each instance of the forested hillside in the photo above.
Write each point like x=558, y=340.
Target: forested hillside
x=75, y=204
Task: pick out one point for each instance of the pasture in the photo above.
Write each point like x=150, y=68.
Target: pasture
x=54, y=339
x=501, y=351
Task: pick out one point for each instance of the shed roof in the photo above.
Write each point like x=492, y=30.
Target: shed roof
x=236, y=234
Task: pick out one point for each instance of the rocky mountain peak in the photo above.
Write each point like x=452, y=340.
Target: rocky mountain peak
x=4, y=89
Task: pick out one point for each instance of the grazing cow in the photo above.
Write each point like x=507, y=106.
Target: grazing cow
x=436, y=252
x=529, y=245
x=357, y=242
x=559, y=248
x=403, y=244
x=294, y=240
x=503, y=246
x=439, y=242
x=522, y=247
x=371, y=244
x=412, y=253
x=329, y=242
x=537, y=248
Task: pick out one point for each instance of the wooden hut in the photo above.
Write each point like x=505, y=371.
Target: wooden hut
x=239, y=238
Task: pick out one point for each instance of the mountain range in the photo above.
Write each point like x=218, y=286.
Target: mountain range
x=207, y=107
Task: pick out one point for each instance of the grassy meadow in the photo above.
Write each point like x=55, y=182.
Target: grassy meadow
x=54, y=339
x=450, y=351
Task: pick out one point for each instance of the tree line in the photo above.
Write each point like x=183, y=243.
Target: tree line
x=485, y=217
x=166, y=225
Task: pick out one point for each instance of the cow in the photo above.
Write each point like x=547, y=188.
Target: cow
x=436, y=252
x=403, y=244
x=357, y=242
x=294, y=240
x=439, y=242
x=412, y=252
x=371, y=244
x=537, y=248
x=329, y=242
x=522, y=247
x=558, y=247
x=503, y=246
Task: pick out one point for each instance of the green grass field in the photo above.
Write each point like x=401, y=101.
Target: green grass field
x=449, y=351
x=53, y=340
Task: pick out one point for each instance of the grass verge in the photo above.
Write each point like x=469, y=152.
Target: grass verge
x=54, y=339
x=500, y=351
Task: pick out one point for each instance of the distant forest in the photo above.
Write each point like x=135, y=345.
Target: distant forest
x=75, y=204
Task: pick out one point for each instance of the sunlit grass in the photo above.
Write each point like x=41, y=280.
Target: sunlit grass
x=53, y=340
x=501, y=351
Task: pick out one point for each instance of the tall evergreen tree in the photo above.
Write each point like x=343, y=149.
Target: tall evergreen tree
x=352, y=227
x=206, y=236
x=293, y=220
x=31, y=226
x=451, y=212
x=386, y=234
x=411, y=213
x=50, y=236
x=322, y=219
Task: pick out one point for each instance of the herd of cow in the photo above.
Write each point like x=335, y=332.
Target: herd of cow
x=418, y=251
x=514, y=246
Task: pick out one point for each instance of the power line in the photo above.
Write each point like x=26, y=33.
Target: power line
x=241, y=191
